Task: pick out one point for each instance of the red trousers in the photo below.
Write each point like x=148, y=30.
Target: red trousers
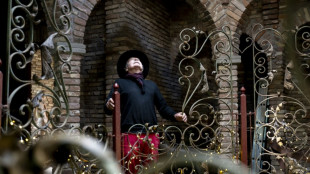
x=139, y=151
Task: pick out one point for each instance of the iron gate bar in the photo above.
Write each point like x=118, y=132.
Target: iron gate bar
x=244, y=137
x=1, y=91
x=117, y=123
x=7, y=74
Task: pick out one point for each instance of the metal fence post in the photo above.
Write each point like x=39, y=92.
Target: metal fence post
x=244, y=140
x=117, y=123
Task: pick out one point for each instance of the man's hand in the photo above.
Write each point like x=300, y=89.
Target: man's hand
x=180, y=116
x=110, y=104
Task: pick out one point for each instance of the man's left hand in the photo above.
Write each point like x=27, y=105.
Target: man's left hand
x=181, y=116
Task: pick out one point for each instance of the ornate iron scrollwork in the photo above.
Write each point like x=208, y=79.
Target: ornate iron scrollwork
x=22, y=24
x=35, y=121
x=281, y=126
x=205, y=134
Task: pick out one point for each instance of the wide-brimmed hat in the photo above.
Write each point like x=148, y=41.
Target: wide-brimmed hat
x=122, y=61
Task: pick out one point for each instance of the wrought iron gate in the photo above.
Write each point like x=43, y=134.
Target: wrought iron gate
x=282, y=121
x=40, y=131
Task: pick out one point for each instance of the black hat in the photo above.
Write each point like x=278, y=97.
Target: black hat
x=122, y=61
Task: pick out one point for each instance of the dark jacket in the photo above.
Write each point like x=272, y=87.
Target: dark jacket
x=138, y=107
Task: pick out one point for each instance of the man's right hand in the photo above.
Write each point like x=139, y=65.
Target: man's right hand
x=110, y=104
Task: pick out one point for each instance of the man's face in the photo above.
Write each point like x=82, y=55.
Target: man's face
x=134, y=64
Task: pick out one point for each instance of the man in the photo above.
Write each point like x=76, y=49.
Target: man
x=139, y=97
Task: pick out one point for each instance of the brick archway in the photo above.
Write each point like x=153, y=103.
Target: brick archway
x=92, y=72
